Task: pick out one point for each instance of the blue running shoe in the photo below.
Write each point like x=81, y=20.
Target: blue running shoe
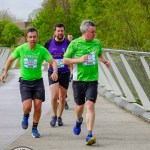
x=90, y=140
x=60, y=123
x=25, y=122
x=53, y=121
x=77, y=127
x=35, y=133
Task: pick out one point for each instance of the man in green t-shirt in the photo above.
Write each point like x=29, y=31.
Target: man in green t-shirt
x=83, y=53
x=32, y=88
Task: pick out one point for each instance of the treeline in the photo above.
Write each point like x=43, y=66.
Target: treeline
x=121, y=24
x=10, y=33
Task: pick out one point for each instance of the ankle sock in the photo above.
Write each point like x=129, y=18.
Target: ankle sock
x=89, y=132
x=79, y=119
x=26, y=115
x=34, y=125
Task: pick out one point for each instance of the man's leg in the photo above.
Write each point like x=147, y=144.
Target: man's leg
x=37, y=110
x=36, y=117
x=79, y=111
x=90, y=118
x=27, y=105
x=62, y=101
x=90, y=115
x=54, y=88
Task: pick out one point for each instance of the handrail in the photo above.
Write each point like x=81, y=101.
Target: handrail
x=130, y=73
x=125, y=51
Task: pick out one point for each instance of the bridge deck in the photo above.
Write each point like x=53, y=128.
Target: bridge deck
x=115, y=128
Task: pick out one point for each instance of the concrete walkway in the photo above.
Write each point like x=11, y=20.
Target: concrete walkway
x=115, y=128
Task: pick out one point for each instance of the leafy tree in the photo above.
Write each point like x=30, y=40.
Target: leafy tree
x=52, y=11
x=120, y=24
x=3, y=23
x=11, y=34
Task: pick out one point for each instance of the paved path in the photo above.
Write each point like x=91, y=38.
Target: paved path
x=115, y=128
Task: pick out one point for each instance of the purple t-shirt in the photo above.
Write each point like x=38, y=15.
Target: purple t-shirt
x=57, y=51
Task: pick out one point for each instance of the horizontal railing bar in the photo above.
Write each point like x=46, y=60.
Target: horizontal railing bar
x=125, y=51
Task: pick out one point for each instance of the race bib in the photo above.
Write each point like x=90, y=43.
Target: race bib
x=91, y=60
x=59, y=63
x=30, y=62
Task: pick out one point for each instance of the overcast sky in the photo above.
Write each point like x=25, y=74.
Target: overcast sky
x=20, y=8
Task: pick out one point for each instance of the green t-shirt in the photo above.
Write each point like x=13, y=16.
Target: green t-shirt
x=31, y=60
x=87, y=71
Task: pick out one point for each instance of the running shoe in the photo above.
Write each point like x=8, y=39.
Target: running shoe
x=77, y=127
x=60, y=123
x=35, y=133
x=25, y=122
x=53, y=121
x=90, y=140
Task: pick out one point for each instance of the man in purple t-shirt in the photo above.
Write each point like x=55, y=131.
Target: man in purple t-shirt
x=57, y=47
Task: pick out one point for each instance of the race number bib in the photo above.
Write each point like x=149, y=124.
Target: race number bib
x=59, y=63
x=91, y=60
x=30, y=62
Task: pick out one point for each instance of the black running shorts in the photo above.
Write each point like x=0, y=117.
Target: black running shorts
x=63, y=79
x=32, y=89
x=84, y=91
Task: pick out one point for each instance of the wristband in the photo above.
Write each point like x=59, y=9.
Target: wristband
x=55, y=72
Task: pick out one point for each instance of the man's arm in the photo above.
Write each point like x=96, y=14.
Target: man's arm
x=54, y=75
x=7, y=67
x=104, y=60
x=70, y=61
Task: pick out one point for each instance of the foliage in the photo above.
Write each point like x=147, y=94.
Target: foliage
x=11, y=34
x=55, y=11
x=2, y=27
x=120, y=24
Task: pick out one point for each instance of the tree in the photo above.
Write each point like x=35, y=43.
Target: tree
x=120, y=24
x=11, y=34
x=6, y=15
x=3, y=23
x=52, y=11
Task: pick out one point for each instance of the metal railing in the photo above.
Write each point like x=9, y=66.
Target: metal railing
x=128, y=76
x=4, y=54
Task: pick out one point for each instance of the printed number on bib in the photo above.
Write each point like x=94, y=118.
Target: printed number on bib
x=59, y=63
x=30, y=62
x=91, y=60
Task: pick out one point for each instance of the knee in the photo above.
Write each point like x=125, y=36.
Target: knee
x=90, y=105
x=37, y=108
x=54, y=97
x=27, y=107
x=62, y=100
x=80, y=107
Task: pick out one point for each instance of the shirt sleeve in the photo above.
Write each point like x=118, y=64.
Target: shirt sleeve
x=47, y=55
x=70, y=50
x=16, y=53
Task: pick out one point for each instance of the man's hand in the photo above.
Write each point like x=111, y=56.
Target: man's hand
x=107, y=63
x=84, y=58
x=54, y=76
x=3, y=77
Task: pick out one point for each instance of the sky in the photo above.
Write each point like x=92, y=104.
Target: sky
x=20, y=8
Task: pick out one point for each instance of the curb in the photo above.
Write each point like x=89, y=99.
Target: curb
x=122, y=102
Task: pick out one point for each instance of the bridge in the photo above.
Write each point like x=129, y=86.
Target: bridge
x=122, y=109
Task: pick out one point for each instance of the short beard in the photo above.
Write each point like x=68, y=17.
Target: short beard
x=60, y=37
